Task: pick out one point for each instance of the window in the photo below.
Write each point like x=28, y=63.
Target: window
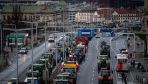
x=4, y=17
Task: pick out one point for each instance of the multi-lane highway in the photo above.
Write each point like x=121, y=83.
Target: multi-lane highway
x=24, y=61
x=88, y=70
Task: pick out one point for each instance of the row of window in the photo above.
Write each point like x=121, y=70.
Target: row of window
x=127, y=18
x=126, y=15
x=84, y=14
x=87, y=14
x=28, y=17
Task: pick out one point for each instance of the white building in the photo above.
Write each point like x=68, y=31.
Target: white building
x=84, y=16
x=121, y=15
x=100, y=15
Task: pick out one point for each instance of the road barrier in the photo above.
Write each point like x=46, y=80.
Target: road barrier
x=142, y=80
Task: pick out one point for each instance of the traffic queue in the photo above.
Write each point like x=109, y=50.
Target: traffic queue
x=70, y=66
x=105, y=75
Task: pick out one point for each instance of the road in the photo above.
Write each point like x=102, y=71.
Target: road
x=115, y=46
x=88, y=70
x=88, y=73
x=24, y=61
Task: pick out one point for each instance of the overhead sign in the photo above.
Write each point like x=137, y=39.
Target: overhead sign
x=86, y=32
x=112, y=34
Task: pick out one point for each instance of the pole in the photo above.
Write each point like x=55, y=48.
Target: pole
x=32, y=51
x=63, y=40
x=45, y=60
x=1, y=38
x=63, y=34
x=56, y=56
x=36, y=31
x=16, y=54
x=134, y=45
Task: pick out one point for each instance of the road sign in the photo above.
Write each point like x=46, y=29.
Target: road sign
x=108, y=30
x=86, y=32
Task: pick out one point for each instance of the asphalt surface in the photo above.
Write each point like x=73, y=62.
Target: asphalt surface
x=88, y=73
x=115, y=46
x=24, y=62
x=88, y=70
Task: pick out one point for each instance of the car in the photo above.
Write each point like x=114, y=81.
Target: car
x=123, y=51
x=23, y=51
x=28, y=80
x=97, y=36
x=12, y=81
x=51, y=40
x=105, y=77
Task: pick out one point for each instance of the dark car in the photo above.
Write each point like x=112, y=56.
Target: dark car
x=23, y=51
x=105, y=77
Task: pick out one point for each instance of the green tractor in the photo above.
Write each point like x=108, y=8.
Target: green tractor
x=105, y=50
x=103, y=62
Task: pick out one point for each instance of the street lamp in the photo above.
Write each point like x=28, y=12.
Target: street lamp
x=16, y=47
x=31, y=46
x=1, y=26
x=36, y=26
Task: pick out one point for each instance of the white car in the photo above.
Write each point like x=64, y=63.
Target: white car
x=51, y=40
x=28, y=80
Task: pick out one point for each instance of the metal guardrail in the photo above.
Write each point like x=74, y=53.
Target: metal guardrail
x=141, y=79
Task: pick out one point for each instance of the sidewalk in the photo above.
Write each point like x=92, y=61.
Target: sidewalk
x=138, y=56
x=12, y=58
x=128, y=82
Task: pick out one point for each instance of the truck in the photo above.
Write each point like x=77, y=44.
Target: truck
x=122, y=62
x=83, y=40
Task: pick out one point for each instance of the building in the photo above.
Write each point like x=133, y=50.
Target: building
x=99, y=15
x=146, y=5
x=121, y=15
x=29, y=12
x=104, y=13
x=72, y=10
x=84, y=16
x=120, y=3
x=32, y=11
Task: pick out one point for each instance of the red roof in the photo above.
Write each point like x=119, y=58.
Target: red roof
x=104, y=12
x=125, y=11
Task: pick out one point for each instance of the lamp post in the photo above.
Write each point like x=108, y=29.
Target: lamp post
x=36, y=25
x=45, y=61
x=1, y=37
x=31, y=46
x=1, y=27
x=32, y=52
x=16, y=53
